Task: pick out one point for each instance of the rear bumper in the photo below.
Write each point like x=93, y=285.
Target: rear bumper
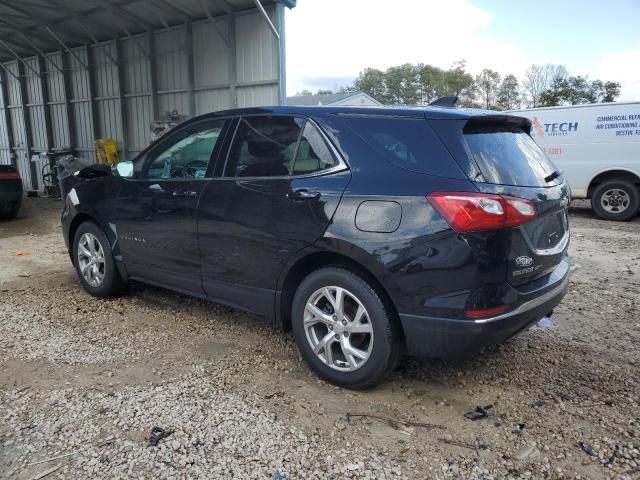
x=452, y=338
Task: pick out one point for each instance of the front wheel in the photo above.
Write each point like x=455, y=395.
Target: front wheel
x=344, y=330
x=616, y=200
x=94, y=262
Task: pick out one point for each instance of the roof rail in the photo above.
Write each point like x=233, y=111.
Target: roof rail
x=449, y=102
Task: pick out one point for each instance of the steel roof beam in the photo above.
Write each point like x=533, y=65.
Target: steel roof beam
x=79, y=17
x=42, y=54
x=184, y=16
x=97, y=43
x=19, y=58
x=266, y=17
x=121, y=12
x=41, y=21
x=64, y=45
x=225, y=38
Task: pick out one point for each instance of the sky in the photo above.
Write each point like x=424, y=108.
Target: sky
x=330, y=41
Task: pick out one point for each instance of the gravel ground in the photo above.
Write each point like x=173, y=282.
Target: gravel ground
x=83, y=381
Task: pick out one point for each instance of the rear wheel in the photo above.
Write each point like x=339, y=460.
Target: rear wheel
x=343, y=329
x=94, y=262
x=616, y=200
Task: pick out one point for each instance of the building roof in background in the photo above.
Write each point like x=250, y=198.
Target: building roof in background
x=326, y=99
x=28, y=27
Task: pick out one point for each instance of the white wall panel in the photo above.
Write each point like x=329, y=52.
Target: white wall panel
x=212, y=100
x=138, y=117
x=171, y=61
x=257, y=95
x=257, y=48
x=168, y=102
x=137, y=74
x=57, y=108
x=210, y=54
x=110, y=119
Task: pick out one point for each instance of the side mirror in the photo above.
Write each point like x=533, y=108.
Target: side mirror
x=124, y=169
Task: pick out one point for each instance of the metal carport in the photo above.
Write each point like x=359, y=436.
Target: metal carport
x=73, y=71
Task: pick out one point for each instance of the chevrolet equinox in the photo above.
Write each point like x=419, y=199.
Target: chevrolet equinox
x=368, y=232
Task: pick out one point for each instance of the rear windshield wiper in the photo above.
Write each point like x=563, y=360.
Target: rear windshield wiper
x=553, y=176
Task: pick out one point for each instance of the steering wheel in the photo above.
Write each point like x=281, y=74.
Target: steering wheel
x=178, y=171
x=192, y=167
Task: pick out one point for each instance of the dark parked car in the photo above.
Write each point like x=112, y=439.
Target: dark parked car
x=367, y=231
x=10, y=191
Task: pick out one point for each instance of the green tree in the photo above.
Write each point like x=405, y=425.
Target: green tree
x=304, y=93
x=579, y=90
x=430, y=81
x=324, y=92
x=402, y=84
x=539, y=78
x=488, y=82
x=372, y=82
x=508, y=97
x=457, y=79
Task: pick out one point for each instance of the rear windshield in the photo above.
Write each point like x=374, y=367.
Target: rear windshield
x=408, y=143
x=508, y=156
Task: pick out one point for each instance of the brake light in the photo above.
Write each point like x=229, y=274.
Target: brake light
x=486, y=312
x=471, y=212
x=9, y=175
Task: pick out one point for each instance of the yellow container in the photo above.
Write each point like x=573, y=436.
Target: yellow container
x=107, y=151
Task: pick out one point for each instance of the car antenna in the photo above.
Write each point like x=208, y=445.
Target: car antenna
x=449, y=102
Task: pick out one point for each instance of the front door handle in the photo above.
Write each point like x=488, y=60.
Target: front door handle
x=184, y=193
x=303, y=194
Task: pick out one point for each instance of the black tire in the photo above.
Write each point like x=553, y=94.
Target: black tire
x=632, y=193
x=10, y=215
x=387, y=347
x=112, y=283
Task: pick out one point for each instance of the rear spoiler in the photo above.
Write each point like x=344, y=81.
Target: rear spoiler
x=497, y=121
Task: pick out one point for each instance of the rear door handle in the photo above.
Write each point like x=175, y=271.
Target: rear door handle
x=303, y=194
x=184, y=193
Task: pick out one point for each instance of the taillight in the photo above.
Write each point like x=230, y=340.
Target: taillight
x=9, y=175
x=471, y=212
x=486, y=312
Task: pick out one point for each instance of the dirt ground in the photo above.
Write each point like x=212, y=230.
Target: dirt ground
x=83, y=381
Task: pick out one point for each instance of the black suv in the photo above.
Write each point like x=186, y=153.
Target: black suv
x=367, y=231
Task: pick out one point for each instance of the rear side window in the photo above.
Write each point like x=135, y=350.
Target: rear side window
x=507, y=155
x=313, y=154
x=408, y=143
x=264, y=146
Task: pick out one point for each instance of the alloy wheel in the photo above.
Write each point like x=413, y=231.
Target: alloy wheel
x=91, y=259
x=338, y=328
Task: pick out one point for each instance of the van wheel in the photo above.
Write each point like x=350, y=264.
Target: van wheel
x=94, y=262
x=616, y=200
x=345, y=332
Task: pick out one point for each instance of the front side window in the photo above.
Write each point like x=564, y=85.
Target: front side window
x=189, y=156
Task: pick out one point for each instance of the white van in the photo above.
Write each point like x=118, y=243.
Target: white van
x=597, y=147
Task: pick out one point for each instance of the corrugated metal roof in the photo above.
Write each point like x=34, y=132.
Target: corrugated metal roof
x=30, y=26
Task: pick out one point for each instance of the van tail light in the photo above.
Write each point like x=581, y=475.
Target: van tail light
x=9, y=175
x=471, y=212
